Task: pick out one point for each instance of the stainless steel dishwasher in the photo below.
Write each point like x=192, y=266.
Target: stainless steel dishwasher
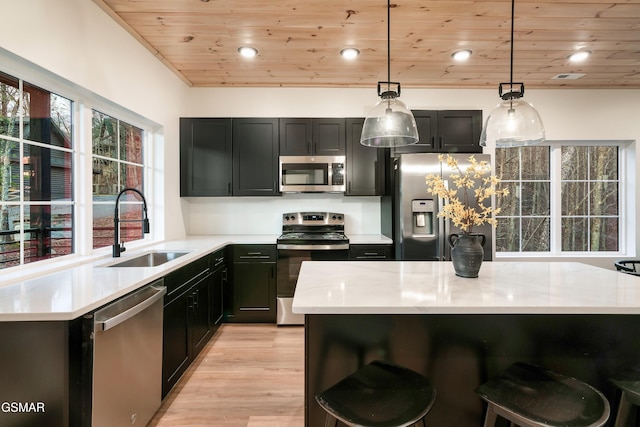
x=127, y=359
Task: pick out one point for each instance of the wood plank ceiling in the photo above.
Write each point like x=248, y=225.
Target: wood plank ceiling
x=299, y=41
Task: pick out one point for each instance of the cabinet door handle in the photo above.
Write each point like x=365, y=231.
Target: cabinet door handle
x=440, y=142
x=228, y=188
x=433, y=141
x=195, y=300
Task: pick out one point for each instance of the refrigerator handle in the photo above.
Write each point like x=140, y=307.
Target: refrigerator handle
x=443, y=226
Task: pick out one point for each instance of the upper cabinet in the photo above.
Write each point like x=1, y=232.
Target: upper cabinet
x=205, y=157
x=239, y=156
x=228, y=157
x=255, y=157
x=312, y=137
x=365, y=165
x=446, y=131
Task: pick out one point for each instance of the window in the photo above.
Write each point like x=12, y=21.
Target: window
x=590, y=198
x=525, y=217
x=564, y=198
x=36, y=152
x=62, y=164
x=117, y=164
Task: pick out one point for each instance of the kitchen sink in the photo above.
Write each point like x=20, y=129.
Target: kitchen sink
x=150, y=259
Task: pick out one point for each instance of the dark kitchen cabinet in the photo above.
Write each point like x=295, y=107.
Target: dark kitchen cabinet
x=370, y=252
x=205, y=157
x=312, y=137
x=255, y=157
x=186, y=325
x=365, y=165
x=199, y=306
x=218, y=285
x=446, y=131
x=254, y=284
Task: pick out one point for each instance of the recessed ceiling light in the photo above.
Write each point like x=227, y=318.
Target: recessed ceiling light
x=461, y=55
x=247, y=51
x=579, y=56
x=350, y=53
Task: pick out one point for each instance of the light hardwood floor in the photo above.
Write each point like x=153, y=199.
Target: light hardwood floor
x=248, y=375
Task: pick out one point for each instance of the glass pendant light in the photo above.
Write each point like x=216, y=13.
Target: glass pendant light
x=514, y=122
x=390, y=122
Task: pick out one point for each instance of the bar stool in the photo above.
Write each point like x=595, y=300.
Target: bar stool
x=629, y=266
x=380, y=394
x=530, y=396
x=629, y=384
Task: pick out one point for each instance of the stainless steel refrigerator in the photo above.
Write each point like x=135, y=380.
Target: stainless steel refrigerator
x=410, y=214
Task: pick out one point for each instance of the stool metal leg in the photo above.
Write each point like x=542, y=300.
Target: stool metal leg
x=490, y=417
x=327, y=421
x=623, y=411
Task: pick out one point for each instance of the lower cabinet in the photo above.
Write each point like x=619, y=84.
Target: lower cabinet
x=253, y=296
x=218, y=286
x=187, y=325
x=370, y=252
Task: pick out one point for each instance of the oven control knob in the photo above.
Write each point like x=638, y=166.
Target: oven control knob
x=286, y=218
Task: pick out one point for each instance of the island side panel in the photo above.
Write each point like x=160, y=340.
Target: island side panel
x=34, y=376
x=459, y=352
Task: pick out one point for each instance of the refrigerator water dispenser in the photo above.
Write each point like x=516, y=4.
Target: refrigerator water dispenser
x=422, y=212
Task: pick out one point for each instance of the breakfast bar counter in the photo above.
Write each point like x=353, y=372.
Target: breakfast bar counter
x=569, y=317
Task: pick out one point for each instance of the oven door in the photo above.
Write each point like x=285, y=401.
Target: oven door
x=289, y=263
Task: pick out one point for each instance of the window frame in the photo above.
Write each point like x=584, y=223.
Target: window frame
x=83, y=102
x=626, y=225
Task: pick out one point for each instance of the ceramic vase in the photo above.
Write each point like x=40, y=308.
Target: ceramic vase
x=467, y=253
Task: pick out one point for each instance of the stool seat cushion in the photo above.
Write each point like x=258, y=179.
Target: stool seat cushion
x=379, y=394
x=546, y=397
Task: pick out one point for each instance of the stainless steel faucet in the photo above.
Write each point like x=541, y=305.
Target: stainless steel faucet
x=118, y=247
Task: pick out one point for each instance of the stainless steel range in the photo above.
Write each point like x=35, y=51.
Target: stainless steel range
x=306, y=236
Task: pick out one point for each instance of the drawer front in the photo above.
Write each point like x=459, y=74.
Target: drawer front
x=254, y=253
x=370, y=252
x=185, y=276
x=218, y=259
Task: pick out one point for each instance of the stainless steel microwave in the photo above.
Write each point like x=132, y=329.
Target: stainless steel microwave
x=312, y=174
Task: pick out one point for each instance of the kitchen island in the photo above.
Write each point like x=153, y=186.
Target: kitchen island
x=570, y=317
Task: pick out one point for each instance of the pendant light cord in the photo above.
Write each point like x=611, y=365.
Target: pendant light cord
x=388, y=45
x=513, y=9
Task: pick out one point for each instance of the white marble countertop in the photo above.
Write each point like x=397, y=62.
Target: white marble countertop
x=369, y=239
x=75, y=290
x=416, y=287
